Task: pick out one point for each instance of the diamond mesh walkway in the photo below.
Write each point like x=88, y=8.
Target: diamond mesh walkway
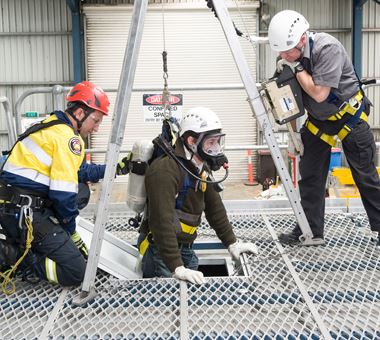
x=330, y=291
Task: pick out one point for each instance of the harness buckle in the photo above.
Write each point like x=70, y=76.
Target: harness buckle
x=354, y=103
x=343, y=105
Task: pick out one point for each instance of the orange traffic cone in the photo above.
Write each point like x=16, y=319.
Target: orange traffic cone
x=251, y=180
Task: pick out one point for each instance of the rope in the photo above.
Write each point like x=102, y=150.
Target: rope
x=8, y=286
x=163, y=24
x=165, y=98
x=247, y=34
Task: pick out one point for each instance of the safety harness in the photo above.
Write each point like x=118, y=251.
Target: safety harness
x=26, y=201
x=354, y=106
x=17, y=196
x=193, y=219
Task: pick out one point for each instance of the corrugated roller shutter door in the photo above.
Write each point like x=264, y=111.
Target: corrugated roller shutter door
x=198, y=54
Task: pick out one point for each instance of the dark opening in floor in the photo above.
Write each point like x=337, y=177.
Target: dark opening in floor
x=213, y=269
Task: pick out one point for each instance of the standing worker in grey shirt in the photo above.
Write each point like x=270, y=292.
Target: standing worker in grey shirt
x=337, y=108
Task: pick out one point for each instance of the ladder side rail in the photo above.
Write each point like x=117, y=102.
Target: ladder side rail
x=116, y=138
x=259, y=111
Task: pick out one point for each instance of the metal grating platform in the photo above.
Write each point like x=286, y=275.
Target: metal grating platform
x=331, y=291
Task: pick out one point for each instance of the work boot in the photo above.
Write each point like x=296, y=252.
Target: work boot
x=374, y=235
x=376, y=238
x=8, y=255
x=293, y=238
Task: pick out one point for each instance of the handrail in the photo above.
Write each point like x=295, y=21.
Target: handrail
x=12, y=133
x=58, y=90
x=369, y=83
x=227, y=148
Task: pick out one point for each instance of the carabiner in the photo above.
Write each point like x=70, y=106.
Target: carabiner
x=29, y=200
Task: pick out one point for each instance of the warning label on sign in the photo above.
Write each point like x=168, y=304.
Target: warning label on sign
x=153, y=110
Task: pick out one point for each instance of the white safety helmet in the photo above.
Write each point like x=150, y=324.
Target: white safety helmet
x=210, y=139
x=199, y=120
x=286, y=29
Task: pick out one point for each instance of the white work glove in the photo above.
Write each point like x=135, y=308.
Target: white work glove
x=186, y=274
x=237, y=248
x=282, y=62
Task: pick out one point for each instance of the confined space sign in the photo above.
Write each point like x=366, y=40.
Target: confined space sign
x=153, y=110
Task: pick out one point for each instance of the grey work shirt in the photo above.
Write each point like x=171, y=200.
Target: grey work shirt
x=329, y=65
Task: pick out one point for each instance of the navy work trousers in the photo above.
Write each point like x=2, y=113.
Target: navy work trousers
x=53, y=256
x=359, y=148
x=154, y=266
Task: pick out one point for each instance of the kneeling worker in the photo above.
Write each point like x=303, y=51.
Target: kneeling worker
x=38, y=190
x=176, y=201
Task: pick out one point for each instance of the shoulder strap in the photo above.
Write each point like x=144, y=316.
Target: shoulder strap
x=186, y=183
x=34, y=128
x=37, y=127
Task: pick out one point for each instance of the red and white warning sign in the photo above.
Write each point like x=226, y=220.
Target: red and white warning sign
x=154, y=111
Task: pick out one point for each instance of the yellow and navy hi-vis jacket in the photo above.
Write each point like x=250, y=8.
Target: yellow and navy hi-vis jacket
x=48, y=161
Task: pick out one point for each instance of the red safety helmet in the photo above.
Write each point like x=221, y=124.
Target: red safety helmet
x=90, y=95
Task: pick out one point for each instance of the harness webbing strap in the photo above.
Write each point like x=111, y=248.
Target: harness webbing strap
x=188, y=229
x=332, y=139
x=34, y=128
x=350, y=106
x=144, y=246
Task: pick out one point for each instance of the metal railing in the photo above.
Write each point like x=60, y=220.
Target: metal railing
x=58, y=102
x=14, y=123
x=12, y=132
x=58, y=90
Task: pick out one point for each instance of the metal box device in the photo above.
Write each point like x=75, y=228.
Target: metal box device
x=282, y=95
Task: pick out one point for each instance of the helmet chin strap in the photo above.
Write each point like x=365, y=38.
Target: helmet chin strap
x=192, y=150
x=194, y=147
x=80, y=122
x=301, y=49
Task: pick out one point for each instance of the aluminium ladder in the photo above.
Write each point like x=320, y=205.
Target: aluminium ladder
x=119, y=122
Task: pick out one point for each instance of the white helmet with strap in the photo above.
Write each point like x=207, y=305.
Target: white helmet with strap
x=286, y=29
x=206, y=126
x=199, y=120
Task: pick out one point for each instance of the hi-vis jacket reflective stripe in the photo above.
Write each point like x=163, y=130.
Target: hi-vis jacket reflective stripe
x=48, y=161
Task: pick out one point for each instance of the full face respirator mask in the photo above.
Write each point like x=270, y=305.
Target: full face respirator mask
x=210, y=147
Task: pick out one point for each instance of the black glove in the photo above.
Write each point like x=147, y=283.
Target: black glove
x=124, y=166
x=80, y=244
x=83, y=196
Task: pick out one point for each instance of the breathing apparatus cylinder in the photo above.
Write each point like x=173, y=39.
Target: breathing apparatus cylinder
x=136, y=194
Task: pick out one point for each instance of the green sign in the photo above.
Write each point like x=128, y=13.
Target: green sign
x=31, y=114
